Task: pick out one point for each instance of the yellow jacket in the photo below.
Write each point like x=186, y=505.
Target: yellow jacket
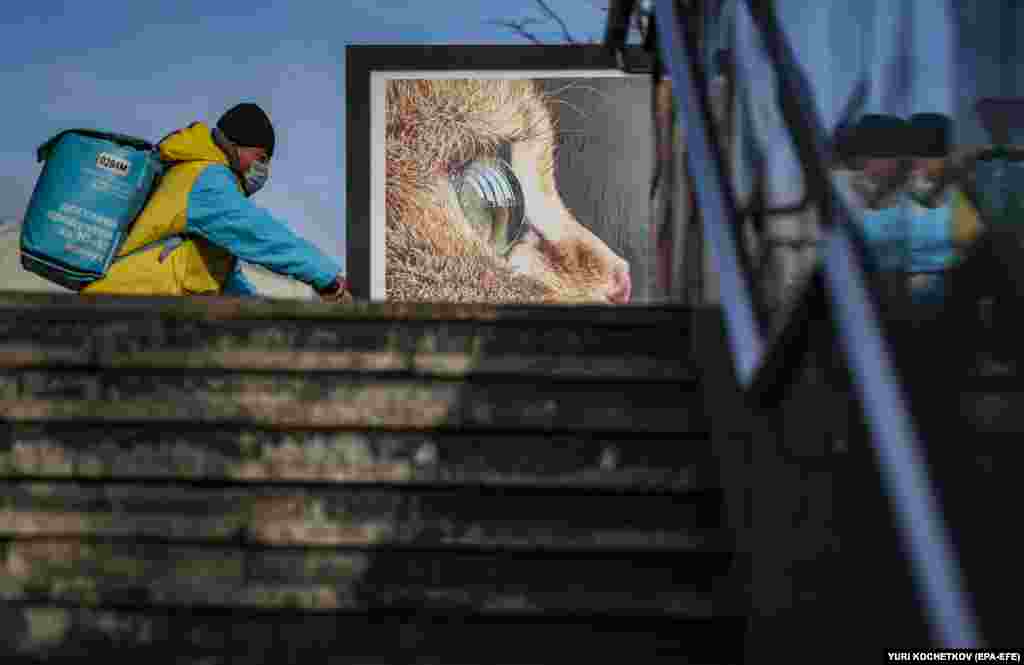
x=197, y=266
x=967, y=225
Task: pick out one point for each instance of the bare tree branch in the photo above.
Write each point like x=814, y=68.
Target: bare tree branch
x=558, y=19
x=519, y=27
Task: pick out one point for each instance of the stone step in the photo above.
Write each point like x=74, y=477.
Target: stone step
x=633, y=367
x=94, y=329
x=345, y=400
x=58, y=634
x=365, y=517
x=160, y=575
x=246, y=455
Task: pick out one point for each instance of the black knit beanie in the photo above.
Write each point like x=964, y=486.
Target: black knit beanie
x=844, y=143
x=881, y=136
x=930, y=134
x=248, y=126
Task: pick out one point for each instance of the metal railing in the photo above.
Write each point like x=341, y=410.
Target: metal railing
x=841, y=274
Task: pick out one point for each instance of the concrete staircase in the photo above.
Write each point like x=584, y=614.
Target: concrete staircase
x=218, y=480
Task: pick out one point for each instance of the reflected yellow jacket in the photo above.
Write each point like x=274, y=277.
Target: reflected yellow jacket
x=966, y=221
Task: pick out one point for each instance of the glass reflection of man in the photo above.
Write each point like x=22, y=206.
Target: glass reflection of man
x=854, y=58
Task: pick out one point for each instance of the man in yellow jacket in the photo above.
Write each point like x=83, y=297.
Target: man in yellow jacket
x=200, y=221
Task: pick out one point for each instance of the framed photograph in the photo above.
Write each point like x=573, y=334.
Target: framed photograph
x=498, y=174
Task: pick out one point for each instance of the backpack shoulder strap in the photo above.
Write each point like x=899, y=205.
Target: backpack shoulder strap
x=169, y=244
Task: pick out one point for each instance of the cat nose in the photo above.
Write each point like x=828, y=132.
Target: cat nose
x=622, y=286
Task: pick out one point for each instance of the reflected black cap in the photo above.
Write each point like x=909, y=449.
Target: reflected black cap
x=881, y=136
x=930, y=134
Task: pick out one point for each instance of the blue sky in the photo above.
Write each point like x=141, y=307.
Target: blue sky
x=147, y=68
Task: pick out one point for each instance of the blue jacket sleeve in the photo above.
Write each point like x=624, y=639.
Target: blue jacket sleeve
x=238, y=284
x=219, y=212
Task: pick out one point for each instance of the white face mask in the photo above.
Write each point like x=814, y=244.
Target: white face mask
x=256, y=177
x=865, y=186
x=258, y=173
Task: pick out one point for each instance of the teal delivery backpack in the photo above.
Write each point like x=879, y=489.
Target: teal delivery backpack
x=92, y=187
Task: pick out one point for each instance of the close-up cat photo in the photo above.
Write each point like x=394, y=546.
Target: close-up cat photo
x=476, y=182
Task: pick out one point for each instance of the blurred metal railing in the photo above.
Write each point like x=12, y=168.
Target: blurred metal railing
x=841, y=274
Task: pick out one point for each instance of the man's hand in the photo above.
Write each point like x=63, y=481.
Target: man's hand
x=336, y=292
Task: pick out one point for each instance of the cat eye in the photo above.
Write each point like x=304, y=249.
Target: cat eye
x=492, y=200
